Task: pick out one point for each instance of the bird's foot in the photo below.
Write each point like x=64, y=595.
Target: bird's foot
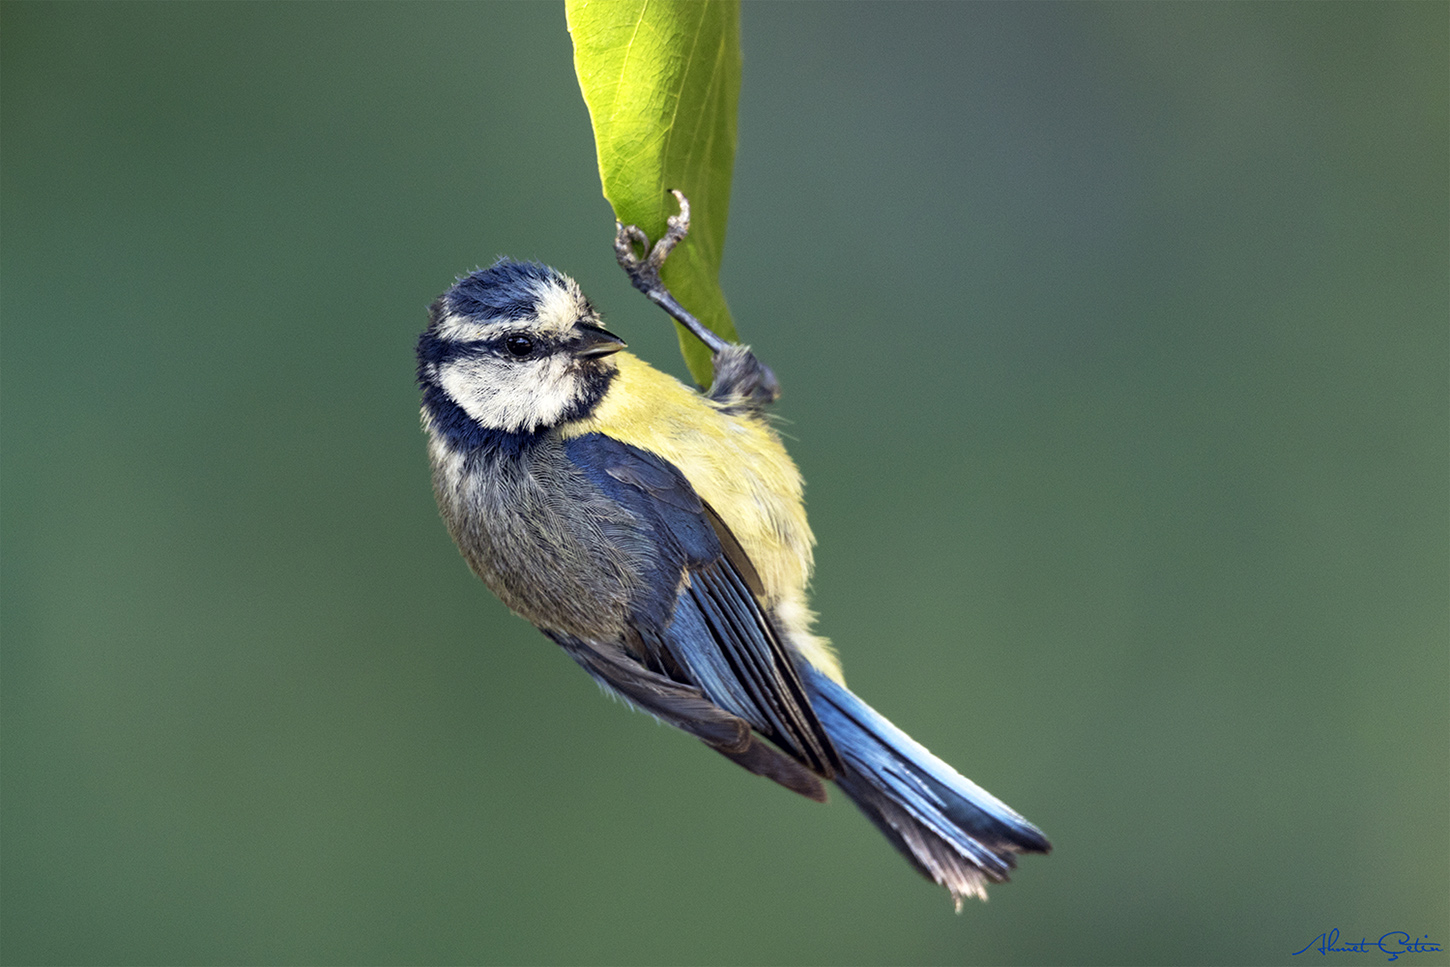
x=644, y=271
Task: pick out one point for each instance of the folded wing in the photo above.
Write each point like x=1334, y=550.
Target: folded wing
x=699, y=633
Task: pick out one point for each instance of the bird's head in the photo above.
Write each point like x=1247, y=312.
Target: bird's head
x=517, y=347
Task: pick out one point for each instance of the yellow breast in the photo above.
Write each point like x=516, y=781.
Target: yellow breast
x=738, y=466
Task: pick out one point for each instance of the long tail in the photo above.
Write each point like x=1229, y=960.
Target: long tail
x=951, y=829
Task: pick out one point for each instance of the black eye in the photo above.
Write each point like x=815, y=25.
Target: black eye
x=519, y=346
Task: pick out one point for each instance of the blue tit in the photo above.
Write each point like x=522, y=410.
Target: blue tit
x=657, y=534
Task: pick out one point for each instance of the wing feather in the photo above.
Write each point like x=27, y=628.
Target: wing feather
x=701, y=619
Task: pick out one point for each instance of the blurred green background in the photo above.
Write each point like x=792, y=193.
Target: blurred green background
x=1114, y=340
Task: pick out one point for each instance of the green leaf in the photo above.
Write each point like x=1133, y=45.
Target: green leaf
x=662, y=82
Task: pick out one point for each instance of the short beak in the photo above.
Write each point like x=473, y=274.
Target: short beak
x=594, y=341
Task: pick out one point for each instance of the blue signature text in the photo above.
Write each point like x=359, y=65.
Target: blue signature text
x=1394, y=944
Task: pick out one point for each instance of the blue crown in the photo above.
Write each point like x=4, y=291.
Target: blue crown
x=505, y=290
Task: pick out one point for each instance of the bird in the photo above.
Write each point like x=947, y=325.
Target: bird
x=657, y=533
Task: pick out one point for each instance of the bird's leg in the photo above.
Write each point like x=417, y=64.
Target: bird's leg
x=645, y=272
x=739, y=376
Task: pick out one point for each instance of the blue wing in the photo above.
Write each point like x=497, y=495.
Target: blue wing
x=698, y=630
x=701, y=654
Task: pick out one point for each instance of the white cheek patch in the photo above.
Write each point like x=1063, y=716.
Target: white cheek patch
x=511, y=396
x=557, y=390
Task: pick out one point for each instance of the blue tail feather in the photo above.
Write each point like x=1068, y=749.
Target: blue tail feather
x=952, y=830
